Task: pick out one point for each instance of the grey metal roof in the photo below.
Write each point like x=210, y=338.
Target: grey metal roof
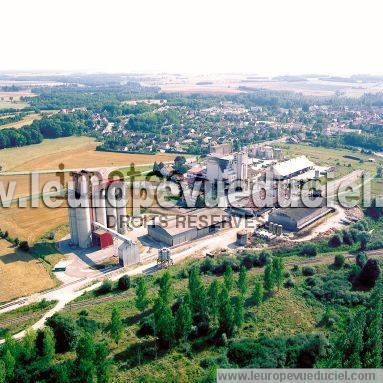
x=297, y=213
x=195, y=219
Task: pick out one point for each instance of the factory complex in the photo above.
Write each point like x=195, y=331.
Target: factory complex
x=100, y=221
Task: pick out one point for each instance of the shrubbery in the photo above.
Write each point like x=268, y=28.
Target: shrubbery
x=301, y=351
x=339, y=261
x=124, y=283
x=146, y=326
x=335, y=240
x=335, y=288
x=105, y=288
x=308, y=250
x=348, y=239
x=361, y=259
x=308, y=271
x=289, y=283
x=65, y=331
x=246, y=259
x=368, y=275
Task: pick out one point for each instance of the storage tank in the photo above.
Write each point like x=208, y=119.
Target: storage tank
x=73, y=226
x=279, y=230
x=111, y=211
x=84, y=227
x=242, y=238
x=100, y=209
x=121, y=200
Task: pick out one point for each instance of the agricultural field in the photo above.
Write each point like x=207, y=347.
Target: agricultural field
x=225, y=84
x=31, y=223
x=23, y=182
x=21, y=273
x=13, y=99
x=24, y=273
x=73, y=152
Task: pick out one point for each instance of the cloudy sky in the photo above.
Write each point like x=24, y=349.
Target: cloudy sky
x=255, y=36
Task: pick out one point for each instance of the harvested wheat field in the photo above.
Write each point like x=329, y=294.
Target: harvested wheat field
x=21, y=274
x=73, y=152
x=31, y=223
x=23, y=183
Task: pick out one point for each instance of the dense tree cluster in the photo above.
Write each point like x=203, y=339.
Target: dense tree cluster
x=92, y=97
x=153, y=122
x=58, y=125
x=12, y=119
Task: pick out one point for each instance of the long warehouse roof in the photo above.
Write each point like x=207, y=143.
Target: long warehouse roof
x=285, y=168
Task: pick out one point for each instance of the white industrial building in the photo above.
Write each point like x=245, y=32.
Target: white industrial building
x=292, y=168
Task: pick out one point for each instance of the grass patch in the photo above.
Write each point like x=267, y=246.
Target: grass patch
x=20, y=319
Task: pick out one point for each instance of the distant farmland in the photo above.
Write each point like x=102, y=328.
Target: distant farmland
x=73, y=152
x=13, y=99
x=27, y=120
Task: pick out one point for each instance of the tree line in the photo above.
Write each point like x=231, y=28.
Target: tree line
x=57, y=125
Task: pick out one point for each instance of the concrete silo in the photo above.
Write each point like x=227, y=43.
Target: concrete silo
x=111, y=210
x=121, y=200
x=99, y=204
x=97, y=215
x=72, y=220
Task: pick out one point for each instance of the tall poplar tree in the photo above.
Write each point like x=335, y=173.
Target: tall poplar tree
x=226, y=313
x=278, y=270
x=141, y=294
x=268, y=278
x=353, y=344
x=258, y=292
x=242, y=281
x=228, y=278
x=213, y=299
x=116, y=326
x=373, y=334
x=239, y=308
x=184, y=319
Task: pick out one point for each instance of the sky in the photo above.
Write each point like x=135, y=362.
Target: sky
x=265, y=37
